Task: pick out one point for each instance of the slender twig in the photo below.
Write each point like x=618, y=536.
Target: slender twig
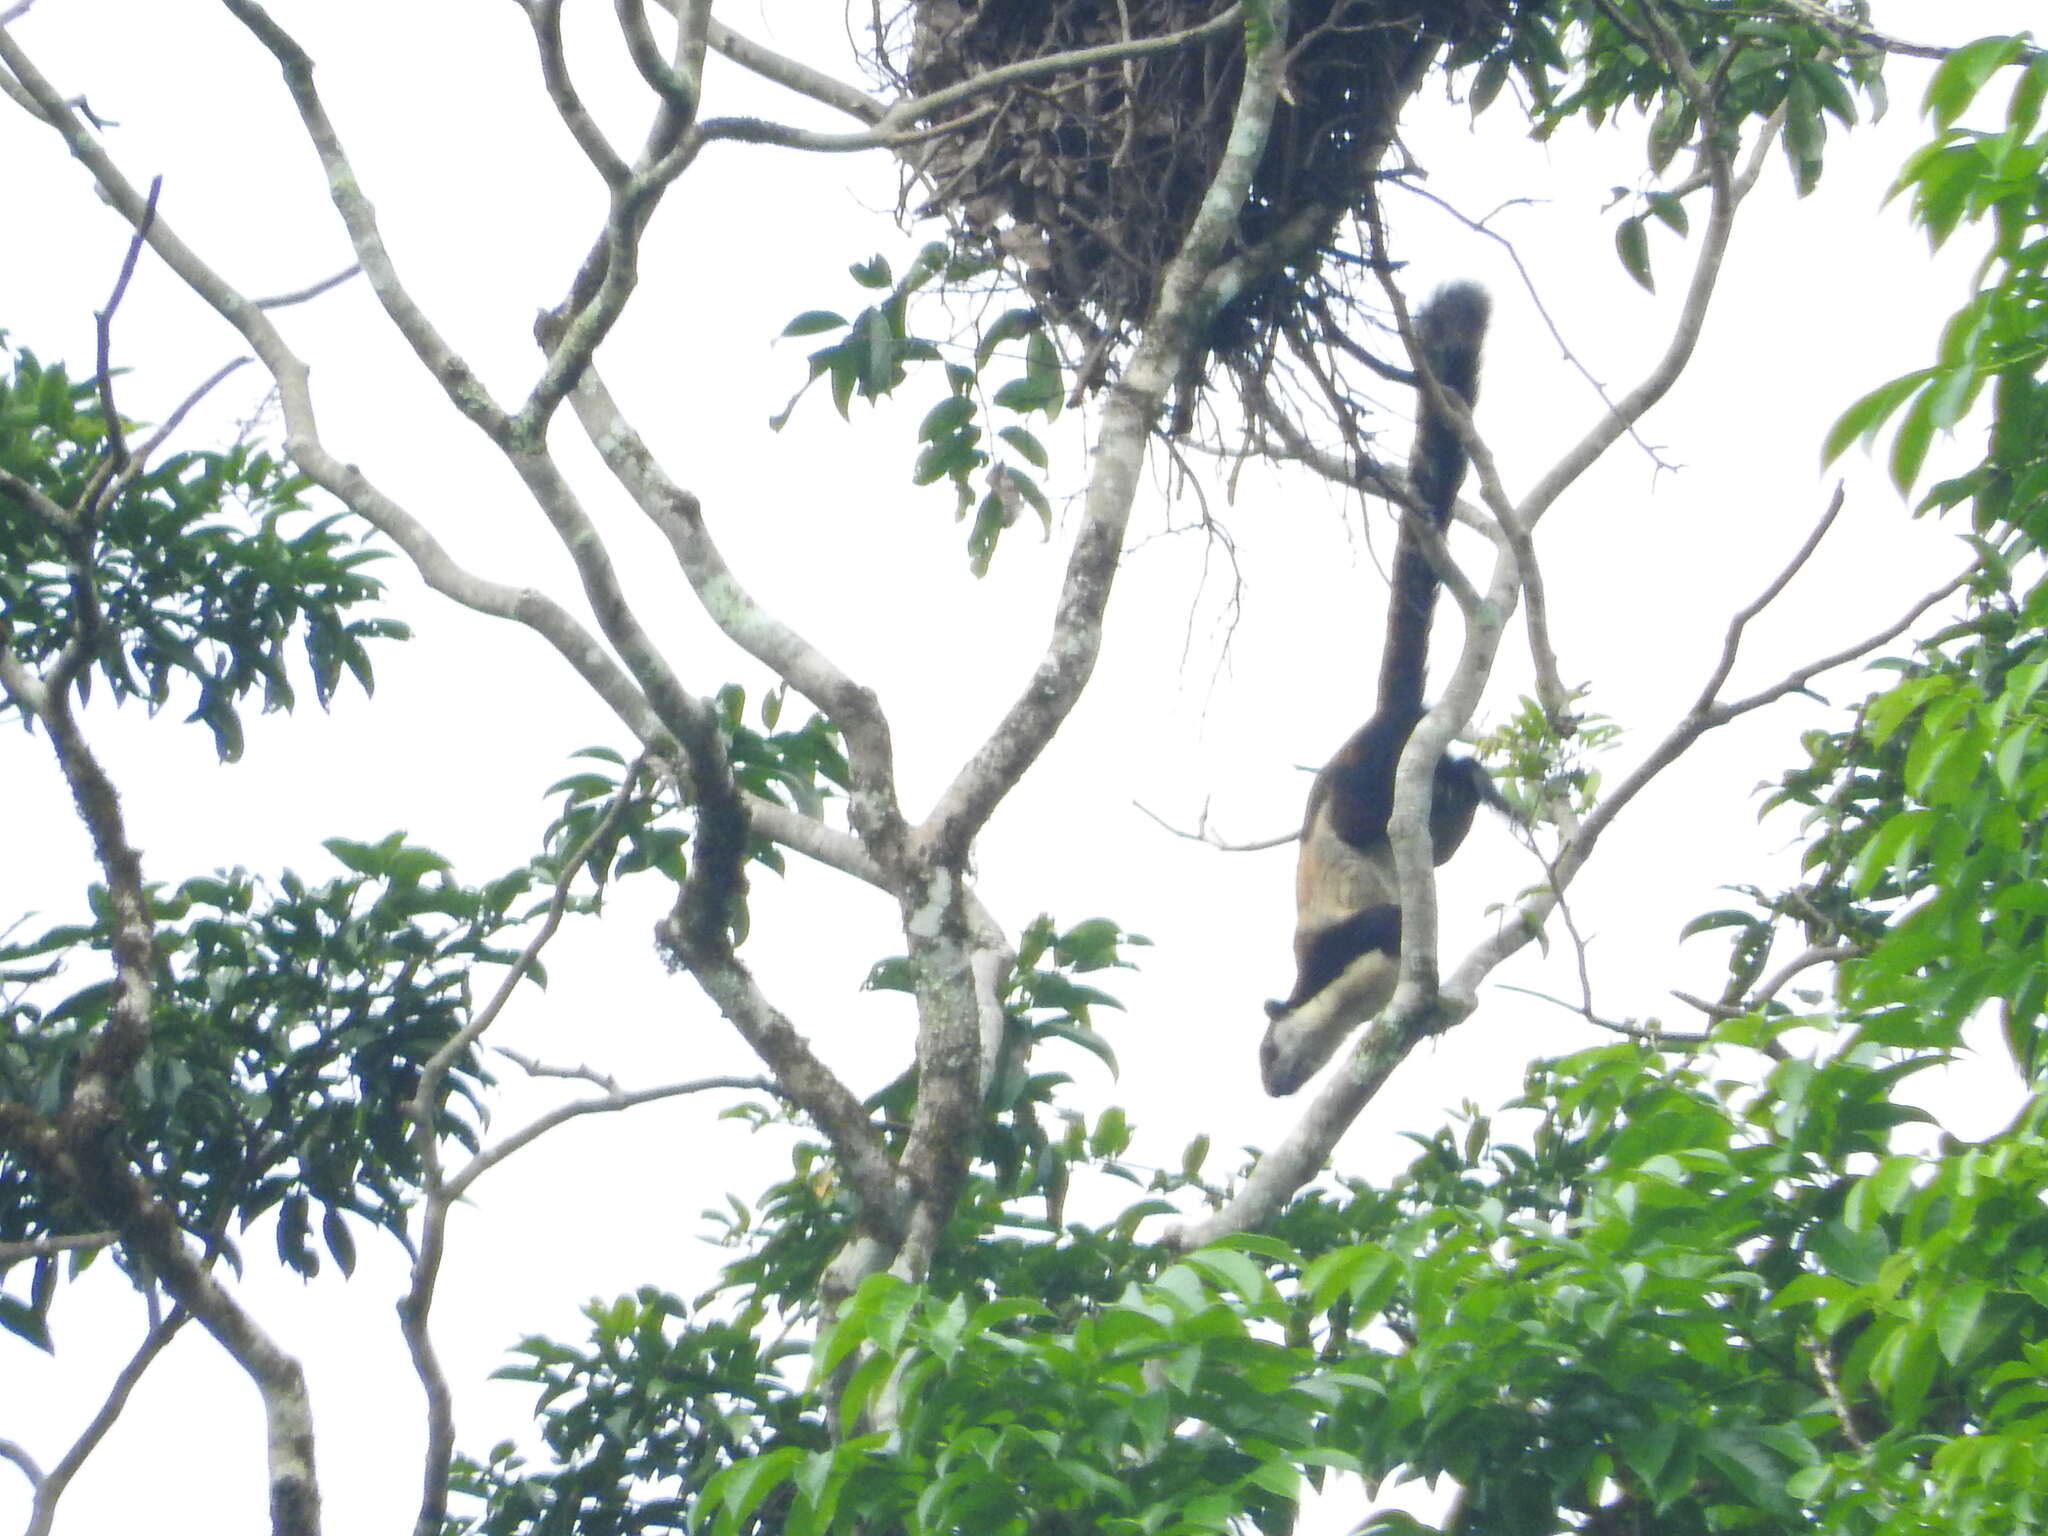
x=895, y=123
x=313, y=291
x=1825, y=19
x=42, y=1247
x=1706, y=715
x=115, y=457
x=611, y=1103
x=427, y=1095
x=1202, y=834
x=1731, y=641
x=1529, y=286
x=139, y=463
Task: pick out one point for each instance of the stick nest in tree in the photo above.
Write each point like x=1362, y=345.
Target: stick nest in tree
x=1087, y=182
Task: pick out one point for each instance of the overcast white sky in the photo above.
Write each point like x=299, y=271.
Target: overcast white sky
x=1196, y=704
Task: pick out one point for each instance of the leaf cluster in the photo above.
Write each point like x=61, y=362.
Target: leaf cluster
x=628, y=818
x=659, y=1402
x=198, y=575
x=1933, y=809
x=290, y=1030
x=874, y=356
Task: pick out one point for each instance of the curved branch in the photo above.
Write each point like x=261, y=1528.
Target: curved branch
x=545, y=17
x=50, y=1488
x=359, y=218
x=611, y=1103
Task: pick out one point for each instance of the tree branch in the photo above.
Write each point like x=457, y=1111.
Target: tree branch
x=678, y=514
x=545, y=17
x=42, y=1519
x=44, y=1247
x=1134, y=404
x=1725, y=194
x=616, y=1100
x=359, y=218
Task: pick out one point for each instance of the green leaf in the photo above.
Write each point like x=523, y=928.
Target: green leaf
x=25, y=1322
x=1955, y=1319
x=1862, y=420
x=1632, y=243
x=740, y=1488
x=1963, y=74
x=814, y=321
x=1026, y=445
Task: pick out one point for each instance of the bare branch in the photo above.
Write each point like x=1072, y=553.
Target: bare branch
x=163, y=434
x=919, y=108
x=678, y=84
x=787, y=72
x=115, y=457
x=1731, y=642
x=59, y=520
x=896, y=124
x=815, y=840
x=416, y=1306
x=545, y=17
x=1799, y=964
x=1845, y=28
x=359, y=217
x=1726, y=192
x=1705, y=716
x=611, y=1103
x=679, y=515
x=1651, y=1034
x=304, y=295
x=1202, y=834
x=51, y=1488
x=1824, y=1367
x=761, y=130
x=426, y=1096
